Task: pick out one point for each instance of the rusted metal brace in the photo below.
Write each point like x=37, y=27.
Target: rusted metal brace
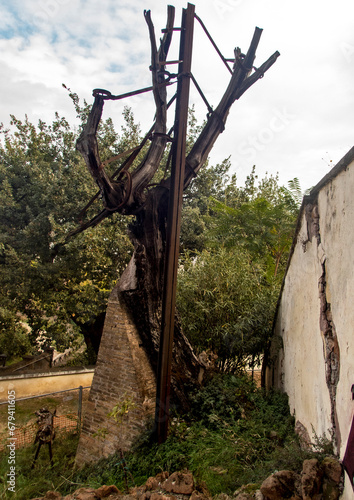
x=102, y=165
x=161, y=134
x=210, y=109
x=239, y=61
x=191, y=169
x=114, y=158
x=107, y=95
x=128, y=192
x=213, y=43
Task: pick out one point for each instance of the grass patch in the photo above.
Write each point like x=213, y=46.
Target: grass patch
x=25, y=410
x=31, y=483
x=234, y=435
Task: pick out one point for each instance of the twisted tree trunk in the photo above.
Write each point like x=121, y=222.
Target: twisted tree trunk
x=141, y=284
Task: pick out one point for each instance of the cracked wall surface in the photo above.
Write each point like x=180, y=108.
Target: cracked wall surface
x=315, y=317
x=331, y=354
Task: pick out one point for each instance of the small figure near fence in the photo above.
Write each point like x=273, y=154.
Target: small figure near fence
x=46, y=432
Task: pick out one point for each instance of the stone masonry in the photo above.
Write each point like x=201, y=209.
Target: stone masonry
x=123, y=376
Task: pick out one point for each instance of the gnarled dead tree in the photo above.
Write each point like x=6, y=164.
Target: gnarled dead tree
x=130, y=193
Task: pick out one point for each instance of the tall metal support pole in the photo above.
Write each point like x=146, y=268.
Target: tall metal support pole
x=174, y=226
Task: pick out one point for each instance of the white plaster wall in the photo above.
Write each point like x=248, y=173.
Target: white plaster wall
x=300, y=367
x=336, y=206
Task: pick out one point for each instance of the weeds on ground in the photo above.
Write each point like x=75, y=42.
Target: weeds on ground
x=27, y=408
x=235, y=434
x=31, y=483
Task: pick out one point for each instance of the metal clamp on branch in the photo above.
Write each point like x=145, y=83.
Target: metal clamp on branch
x=106, y=95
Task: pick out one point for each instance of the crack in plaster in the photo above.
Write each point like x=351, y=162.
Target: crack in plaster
x=331, y=353
x=331, y=350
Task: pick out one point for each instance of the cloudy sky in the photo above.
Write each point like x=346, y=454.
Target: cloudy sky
x=297, y=120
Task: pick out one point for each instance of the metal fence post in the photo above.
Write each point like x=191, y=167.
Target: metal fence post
x=79, y=411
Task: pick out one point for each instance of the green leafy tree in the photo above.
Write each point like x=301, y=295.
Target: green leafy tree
x=52, y=293
x=260, y=219
x=226, y=305
x=57, y=290
x=228, y=292
x=14, y=336
x=198, y=203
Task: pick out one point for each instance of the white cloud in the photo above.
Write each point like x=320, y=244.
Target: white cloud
x=88, y=44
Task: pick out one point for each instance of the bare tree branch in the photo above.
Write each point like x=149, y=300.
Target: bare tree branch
x=125, y=194
x=146, y=170
x=239, y=83
x=88, y=147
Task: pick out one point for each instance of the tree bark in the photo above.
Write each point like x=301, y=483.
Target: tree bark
x=141, y=284
x=140, y=287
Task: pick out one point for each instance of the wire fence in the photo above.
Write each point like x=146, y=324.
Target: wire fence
x=64, y=422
